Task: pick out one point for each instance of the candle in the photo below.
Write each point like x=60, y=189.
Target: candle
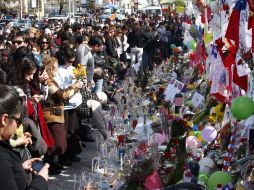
x=98, y=165
x=92, y=165
x=75, y=181
x=121, y=160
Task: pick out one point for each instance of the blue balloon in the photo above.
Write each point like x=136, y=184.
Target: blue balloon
x=195, y=128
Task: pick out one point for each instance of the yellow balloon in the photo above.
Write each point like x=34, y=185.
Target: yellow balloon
x=200, y=139
x=212, y=119
x=179, y=9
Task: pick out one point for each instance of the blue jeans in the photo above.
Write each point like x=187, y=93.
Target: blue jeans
x=98, y=86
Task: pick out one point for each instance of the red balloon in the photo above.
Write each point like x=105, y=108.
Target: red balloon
x=192, y=56
x=176, y=50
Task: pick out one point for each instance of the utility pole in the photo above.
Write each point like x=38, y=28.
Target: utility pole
x=21, y=9
x=69, y=3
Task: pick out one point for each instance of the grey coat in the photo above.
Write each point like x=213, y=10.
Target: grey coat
x=85, y=57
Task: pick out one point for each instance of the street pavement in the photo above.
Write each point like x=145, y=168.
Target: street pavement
x=65, y=181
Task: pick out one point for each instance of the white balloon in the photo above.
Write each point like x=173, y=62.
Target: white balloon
x=204, y=169
x=206, y=161
x=206, y=165
x=214, y=7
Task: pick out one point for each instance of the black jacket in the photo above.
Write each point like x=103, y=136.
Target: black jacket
x=139, y=39
x=12, y=174
x=111, y=46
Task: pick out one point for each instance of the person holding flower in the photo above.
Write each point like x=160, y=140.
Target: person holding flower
x=53, y=110
x=65, y=78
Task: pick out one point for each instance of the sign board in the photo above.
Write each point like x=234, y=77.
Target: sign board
x=174, y=87
x=197, y=99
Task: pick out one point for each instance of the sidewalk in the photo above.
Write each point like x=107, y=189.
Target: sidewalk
x=65, y=181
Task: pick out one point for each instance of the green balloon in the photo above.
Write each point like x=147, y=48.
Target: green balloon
x=202, y=177
x=193, y=45
x=242, y=107
x=197, y=133
x=204, y=143
x=172, y=46
x=217, y=178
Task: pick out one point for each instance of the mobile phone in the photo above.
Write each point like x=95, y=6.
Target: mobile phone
x=42, y=68
x=37, y=166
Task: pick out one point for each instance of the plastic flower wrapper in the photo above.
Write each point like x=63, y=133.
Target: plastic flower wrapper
x=80, y=72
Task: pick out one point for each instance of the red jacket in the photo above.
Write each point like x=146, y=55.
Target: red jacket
x=43, y=126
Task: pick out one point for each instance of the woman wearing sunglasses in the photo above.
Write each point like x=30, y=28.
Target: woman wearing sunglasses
x=45, y=45
x=12, y=170
x=64, y=79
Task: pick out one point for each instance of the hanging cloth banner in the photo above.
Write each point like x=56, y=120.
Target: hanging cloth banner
x=217, y=76
x=251, y=21
x=234, y=22
x=228, y=59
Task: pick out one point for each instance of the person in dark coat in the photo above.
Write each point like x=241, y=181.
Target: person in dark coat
x=12, y=170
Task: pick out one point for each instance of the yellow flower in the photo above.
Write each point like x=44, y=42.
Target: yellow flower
x=79, y=72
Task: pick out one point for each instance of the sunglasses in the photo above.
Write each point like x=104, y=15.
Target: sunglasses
x=44, y=42
x=17, y=42
x=17, y=120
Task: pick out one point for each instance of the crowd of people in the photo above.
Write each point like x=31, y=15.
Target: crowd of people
x=45, y=111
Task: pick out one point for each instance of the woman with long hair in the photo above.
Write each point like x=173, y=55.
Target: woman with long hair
x=45, y=44
x=35, y=91
x=12, y=170
x=53, y=109
x=64, y=78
